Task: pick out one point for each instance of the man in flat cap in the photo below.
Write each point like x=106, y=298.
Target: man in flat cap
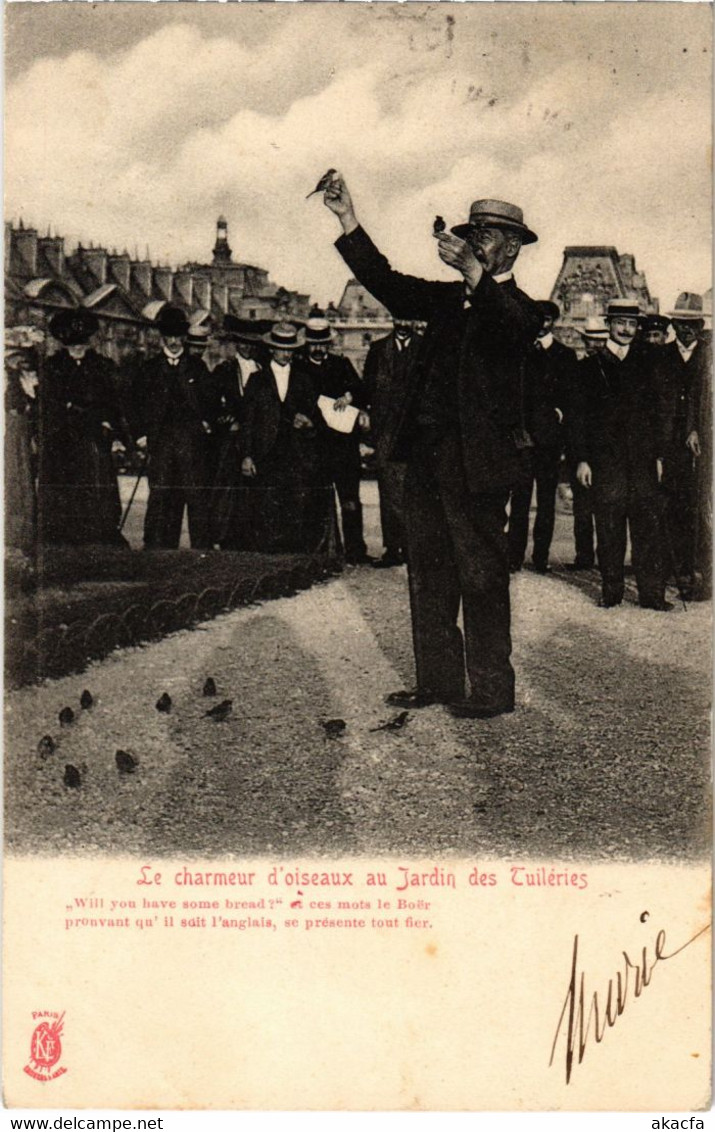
x=176, y=408
x=79, y=422
x=334, y=377
x=616, y=438
x=685, y=367
x=548, y=371
x=458, y=430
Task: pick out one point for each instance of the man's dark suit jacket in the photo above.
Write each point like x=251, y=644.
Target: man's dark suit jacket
x=182, y=394
x=616, y=424
x=384, y=376
x=548, y=374
x=679, y=385
x=264, y=411
x=500, y=323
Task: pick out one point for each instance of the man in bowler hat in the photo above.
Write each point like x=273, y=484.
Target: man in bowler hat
x=459, y=421
x=176, y=408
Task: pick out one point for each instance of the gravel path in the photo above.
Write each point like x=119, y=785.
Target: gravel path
x=605, y=756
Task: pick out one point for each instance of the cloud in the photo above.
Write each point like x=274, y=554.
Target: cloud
x=596, y=123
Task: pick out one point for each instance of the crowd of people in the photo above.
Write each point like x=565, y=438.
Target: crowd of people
x=257, y=450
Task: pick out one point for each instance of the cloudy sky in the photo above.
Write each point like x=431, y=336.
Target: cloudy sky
x=138, y=123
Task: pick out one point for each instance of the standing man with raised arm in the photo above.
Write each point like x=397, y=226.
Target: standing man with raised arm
x=458, y=430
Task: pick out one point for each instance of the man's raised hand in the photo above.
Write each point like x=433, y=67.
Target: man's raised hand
x=458, y=254
x=337, y=198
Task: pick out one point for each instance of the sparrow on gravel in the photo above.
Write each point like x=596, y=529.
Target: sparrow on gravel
x=46, y=746
x=334, y=727
x=322, y=185
x=395, y=724
x=86, y=699
x=210, y=686
x=126, y=763
x=164, y=702
x=72, y=777
x=66, y=716
x=221, y=711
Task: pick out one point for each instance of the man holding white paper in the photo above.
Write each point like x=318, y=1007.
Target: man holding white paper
x=340, y=400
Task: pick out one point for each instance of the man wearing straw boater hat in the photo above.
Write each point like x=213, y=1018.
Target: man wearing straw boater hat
x=334, y=378
x=459, y=431
x=685, y=372
x=280, y=447
x=176, y=407
x=616, y=439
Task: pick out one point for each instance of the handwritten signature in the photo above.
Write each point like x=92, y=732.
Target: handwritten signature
x=604, y=1012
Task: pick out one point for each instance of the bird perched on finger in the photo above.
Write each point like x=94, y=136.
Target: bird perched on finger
x=394, y=724
x=126, y=763
x=46, y=746
x=439, y=225
x=221, y=711
x=72, y=777
x=210, y=686
x=325, y=181
x=164, y=702
x=86, y=699
x=66, y=716
x=334, y=727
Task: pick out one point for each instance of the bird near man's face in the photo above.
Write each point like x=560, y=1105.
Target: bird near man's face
x=495, y=248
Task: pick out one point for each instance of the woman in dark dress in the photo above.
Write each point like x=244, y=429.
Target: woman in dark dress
x=21, y=380
x=79, y=420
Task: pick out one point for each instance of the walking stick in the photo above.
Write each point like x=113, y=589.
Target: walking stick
x=128, y=507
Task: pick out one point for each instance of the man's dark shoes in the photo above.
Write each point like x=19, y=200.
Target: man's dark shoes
x=468, y=709
x=389, y=558
x=609, y=602
x=541, y=567
x=661, y=606
x=411, y=698
x=578, y=565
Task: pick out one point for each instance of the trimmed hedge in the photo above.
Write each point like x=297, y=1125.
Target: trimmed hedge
x=78, y=604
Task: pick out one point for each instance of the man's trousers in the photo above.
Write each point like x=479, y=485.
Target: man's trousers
x=641, y=512
x=540, y=466
x=391, y=486
x=457, y=551
x=179, y=477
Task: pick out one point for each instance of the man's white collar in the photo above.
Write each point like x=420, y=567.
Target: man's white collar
x=616, y=348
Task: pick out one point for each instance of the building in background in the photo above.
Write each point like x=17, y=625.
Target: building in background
x=126, y=293
x=589, y=278
x=357, y=320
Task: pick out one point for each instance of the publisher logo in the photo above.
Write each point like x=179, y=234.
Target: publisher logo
x=46, y=1047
